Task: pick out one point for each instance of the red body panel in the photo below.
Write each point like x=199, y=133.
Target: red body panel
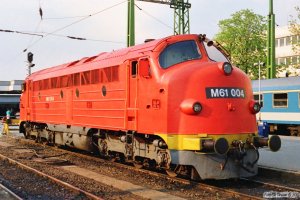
x=131, y=102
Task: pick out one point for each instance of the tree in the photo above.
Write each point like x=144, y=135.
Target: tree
x=244, y=37
x=294, y=27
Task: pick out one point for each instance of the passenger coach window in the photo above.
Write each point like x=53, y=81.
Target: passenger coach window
x=280, y=100
x=256, y=98
x=299, y=100
x=179, y=52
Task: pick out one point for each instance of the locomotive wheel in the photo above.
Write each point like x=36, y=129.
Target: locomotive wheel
x=171, y=173
x=38, y=139
x=27, y=133
x=138, y=164
x=173, y=170
x=179, y=170
x=112, y=158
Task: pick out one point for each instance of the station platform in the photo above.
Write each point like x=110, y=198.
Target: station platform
x=286, y=159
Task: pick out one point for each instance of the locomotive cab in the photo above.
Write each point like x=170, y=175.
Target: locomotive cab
x=210, y=109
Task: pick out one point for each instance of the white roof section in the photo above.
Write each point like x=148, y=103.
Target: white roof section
x=282, y=31
x=14, y=85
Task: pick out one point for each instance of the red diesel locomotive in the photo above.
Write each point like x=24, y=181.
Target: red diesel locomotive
x=175, y=103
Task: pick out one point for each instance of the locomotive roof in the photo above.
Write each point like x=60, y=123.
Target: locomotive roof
x=102, y=60
x=277, y=84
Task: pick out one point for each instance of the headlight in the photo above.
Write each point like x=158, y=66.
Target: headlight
x=197, y=107
x=191, y=107
x=254, y=107
x=227, y=68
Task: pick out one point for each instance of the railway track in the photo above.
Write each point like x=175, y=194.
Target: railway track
x=280, y=187
x=7, y=194
x=53, y=179
x=179, y=187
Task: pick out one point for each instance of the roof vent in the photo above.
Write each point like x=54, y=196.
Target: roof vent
x=73, y=63
x=148, y=40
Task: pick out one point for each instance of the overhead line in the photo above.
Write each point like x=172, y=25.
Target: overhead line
x=21, y=32
x=54, y=18
x=158, y=20
x=42, y=34
x=84, y=18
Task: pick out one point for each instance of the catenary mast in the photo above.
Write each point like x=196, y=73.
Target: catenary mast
x=181, y=17
x=271, y=68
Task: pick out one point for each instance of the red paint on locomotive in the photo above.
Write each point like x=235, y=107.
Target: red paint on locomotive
x=137, y=103
x=138, y=89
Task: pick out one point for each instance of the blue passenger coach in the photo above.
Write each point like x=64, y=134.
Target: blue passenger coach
x=280, y=101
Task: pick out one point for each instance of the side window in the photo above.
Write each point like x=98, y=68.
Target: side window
x=134, y=68
x=76, y=79
x=24, y=87
x=215, y=54
x=95, y=76
x=299, y=99
x=280, y=100
x=259, y=100
x=85, y=78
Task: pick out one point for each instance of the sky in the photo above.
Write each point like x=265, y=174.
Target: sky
x=104, y=24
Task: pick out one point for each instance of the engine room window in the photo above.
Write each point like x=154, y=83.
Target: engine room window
x=179, y=52
x=280, y=100
x=85, y=78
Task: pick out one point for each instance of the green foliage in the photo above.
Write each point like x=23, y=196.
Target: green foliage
x=244, y=37
x=294, y=27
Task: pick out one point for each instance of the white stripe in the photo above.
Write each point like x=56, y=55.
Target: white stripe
x=278, y=116
x=275, y=91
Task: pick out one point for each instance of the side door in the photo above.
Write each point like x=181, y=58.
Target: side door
x=132, y=91
x=69, y=105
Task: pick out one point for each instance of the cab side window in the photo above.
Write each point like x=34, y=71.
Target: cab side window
x=24, y=87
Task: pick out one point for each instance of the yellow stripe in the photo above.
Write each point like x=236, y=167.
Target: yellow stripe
x=194, y=142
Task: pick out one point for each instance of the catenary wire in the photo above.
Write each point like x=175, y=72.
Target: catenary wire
x=38, y=26
x=158, y=20
x=42, y=34
x=75, y=22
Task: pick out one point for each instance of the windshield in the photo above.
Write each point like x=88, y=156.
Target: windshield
x=179, y=52
x=214, y=53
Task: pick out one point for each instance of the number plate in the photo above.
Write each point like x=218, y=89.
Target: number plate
x=224, y=92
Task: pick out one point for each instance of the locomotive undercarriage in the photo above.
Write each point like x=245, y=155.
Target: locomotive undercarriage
x=141, y=150
x=147, y=151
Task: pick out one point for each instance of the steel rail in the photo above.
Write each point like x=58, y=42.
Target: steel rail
x=273, y=185
x=10, y=192
x=202, y=186
x=62, y=183
x=180, y=180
